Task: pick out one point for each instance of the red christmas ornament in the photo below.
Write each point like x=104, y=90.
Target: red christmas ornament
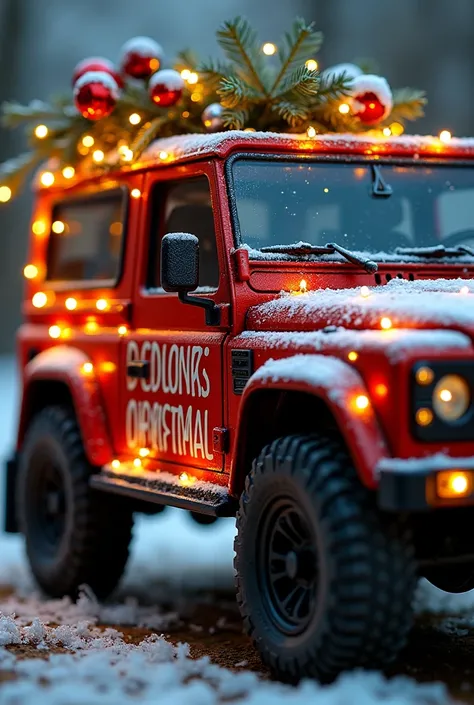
x=166, y=87
x=96, y=63
x=371, y=98
x=96, y=94
x=141, y=57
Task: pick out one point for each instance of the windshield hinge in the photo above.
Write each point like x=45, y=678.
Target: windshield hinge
x=379, y=185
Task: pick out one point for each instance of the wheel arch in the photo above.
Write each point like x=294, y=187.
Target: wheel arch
x=273, y=406
x=57, y=376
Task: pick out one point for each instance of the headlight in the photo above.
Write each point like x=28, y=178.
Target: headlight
x=451, y=398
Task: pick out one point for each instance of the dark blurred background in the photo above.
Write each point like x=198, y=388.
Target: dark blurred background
x=427, y=44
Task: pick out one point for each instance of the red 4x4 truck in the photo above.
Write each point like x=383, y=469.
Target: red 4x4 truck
x=270, y=327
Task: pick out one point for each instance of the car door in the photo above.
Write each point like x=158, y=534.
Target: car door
x=172, y=401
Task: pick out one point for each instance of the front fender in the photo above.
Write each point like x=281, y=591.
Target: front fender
x=339, y=386
x=65, y=364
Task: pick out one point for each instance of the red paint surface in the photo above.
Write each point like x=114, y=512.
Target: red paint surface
x=101, y=400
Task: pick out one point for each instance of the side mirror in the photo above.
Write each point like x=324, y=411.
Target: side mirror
x=179, y=262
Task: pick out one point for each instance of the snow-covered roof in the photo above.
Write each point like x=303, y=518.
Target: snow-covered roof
x=222, y=143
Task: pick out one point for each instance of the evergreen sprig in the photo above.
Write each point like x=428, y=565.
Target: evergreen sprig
x=278, y=93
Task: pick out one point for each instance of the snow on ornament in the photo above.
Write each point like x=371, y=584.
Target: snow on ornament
x=371, y=98
x=350, y=72
x=166, y=87
x=141, y=57
x=212, y=117
x=96, y=94
x=96, y=63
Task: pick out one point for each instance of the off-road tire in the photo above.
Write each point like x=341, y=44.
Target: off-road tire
x=86, y=541
x=365, y=570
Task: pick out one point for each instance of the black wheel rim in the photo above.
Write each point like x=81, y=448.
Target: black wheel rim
x=288, y=566
x=47, y=507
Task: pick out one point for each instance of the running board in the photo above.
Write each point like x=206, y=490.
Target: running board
x=171, y=490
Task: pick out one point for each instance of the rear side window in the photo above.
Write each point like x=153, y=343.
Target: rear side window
x=86, y=239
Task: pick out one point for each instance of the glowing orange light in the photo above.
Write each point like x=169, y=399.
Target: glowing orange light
x=54, y=332
x=424, y=375
x=58, y=227
x=364, y=291
x=344, y=108
x=122, y=330
x=115, y=464
x=41, y=131
x=311, y=132
x=68, y=172
x=397, y=128
x=352, y=355
x=5, y=194
x=445, y=136
x=137, y=463
x=134, y=119
x=386, y=132
x=451, y=484
x=88, y=141
x=311, y=65
x=38, y=227
x=269, y=48
x=30, y=271
x=39, y=299
x=98, y=156
x=91, y=327
x=192, y=78
x=424, y=417
x=101, y=304
x=303, y=286
x=70, y=303
x=386, y=323
x=47, y=178
x=135, y=193
x=108, y=366
x=361, y=402
x=445, y=395
x=381, y=389
x=163, y=155
x=185, y=73
x=143, y=452
x=87, y=368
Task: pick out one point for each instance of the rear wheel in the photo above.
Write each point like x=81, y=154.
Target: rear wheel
x=324, y=583
x=74, y=536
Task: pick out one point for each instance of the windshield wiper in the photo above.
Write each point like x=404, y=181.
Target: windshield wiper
x=379, y=185
x=437, y=251
x=304, y=248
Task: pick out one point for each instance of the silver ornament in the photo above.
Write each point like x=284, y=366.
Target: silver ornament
x=212, y=117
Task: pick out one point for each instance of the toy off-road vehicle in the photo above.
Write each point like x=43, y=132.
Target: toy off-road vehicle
x=269, y=327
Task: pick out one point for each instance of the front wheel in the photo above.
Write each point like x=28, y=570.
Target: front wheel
x=324, y=583
x=74, y=535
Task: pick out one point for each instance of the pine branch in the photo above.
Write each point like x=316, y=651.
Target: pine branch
x=213, y=70
x=408, y=104
x=337, y=86
x=187, y=59
x=302, y=42
x=235, y=119
x=240, y=43
x=146, y=135
x=16, y=114
x=233, y=92
x=293, y=113
x=300, y=82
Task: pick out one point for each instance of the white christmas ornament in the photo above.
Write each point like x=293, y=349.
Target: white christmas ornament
x=212, y=117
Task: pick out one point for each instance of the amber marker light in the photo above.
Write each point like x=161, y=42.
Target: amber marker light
x=424, y=375
x=30, y=271
x=424, y=417
x=381, y=390
x=39, y=300
x=386, y=323
x=454, y=484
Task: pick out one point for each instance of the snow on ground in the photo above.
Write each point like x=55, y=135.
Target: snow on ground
x=170, y=555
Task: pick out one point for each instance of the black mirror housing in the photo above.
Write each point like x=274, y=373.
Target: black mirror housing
x=179, y=262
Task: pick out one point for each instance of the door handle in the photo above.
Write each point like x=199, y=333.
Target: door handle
x=138, y=369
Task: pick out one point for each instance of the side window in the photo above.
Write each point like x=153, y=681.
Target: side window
x=184, y=207
x=86, y=239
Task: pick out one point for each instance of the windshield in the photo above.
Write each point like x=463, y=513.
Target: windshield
x=286, y=202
